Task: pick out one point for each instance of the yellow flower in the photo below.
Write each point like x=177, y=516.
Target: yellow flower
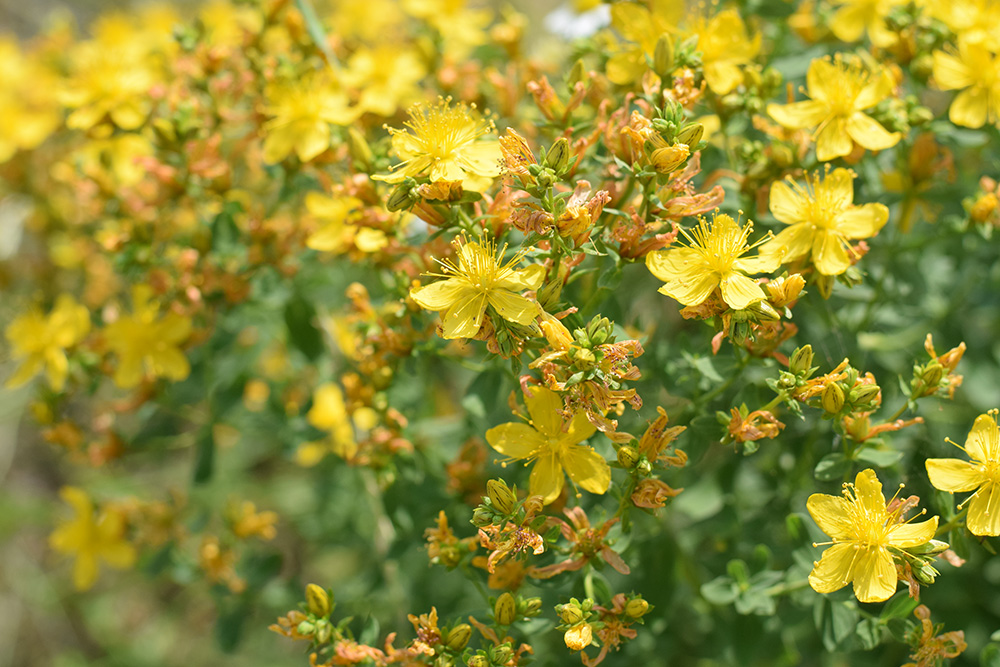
x=822, y=218
x=27, y=102
x=865, y=534
x=387, y=77
x=644, y=27
x=972, y=20
x=840, y=92
x=148, y=344
x=713, y=259
x=338, y=233
x=462, y=28
x=982, y=473
x=553, y=445
x=974, y=70
x=43, y=341
x=479, y=280
x=446, y=144
x=725, y=46
x=328, y=413
x=110, y=81
x=91, y=538
x=856, y=16
x=301, y=114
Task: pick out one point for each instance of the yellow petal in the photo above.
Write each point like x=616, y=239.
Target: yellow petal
x=723, y=77
x=328, y=409
x=798, y=115
x=587, y=468
x=833, y=140
x=786, y=204
x=848, y=23
x=833, y=570
x=953, y=475
x=530, y=277
x=739, y=291
x=85, y=571
x=628, y=66
x=278, y=143
x=983, y=443
x=169, y=362
x=370, y=240
x=543, y=406
x=313, y=139
x=821, y=79
x=950, y=73
x=984, y=511
x=830, y=514
x=309, y=454
x=869, y=133
x=513, y=307
x=970, y=108
x=130, y=370
x=580, y=428
x=862, y=222
x=691, y=290
x=760, y=263
x=910, y=535
x=464, y=318
x=518, y=441
x=829, y=254
x=874, y=575
x=443, y=294
x=869, y=492
x=790, y=243
x=546, y=478
x=879, y=88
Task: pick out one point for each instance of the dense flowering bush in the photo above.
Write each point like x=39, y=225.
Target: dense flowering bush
x=592, y=348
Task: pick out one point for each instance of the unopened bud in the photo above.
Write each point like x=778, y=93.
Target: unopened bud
x=502, y=654
x=832, y=398
x=531, y=607
x=458, y=637
x=764, y=311
x=478, y=661
x=501, y=496
x=579, y=637
x=571, y=614
x=505, y=609
x=864, y=394
x=400, y=198
x=925, y=573
x=663, y=56
x=933, y=372
x=482, y=516
x=305, y=628
x=557, y=157
x=801, y=360
x=577, y=74
x=317, y=600
x=669, y=159
x=636, y=608
x=628, y=456
x=691, y=135
x=931, y=548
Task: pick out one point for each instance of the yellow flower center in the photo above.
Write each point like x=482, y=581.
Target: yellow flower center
x=439, y=131
x=720, y=242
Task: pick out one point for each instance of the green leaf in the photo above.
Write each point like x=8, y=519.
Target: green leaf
x=900, y=606
x=831, y=467
x=720, y=591
x=882, y=458
x=204, y=463
x=869, y=633
x=835, y=621
x=229, y=626
x=315, y=30
x=990, y=656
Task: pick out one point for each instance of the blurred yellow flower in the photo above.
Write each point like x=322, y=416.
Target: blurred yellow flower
x=42, y=341
x=147, y=344
x=462, y=28
x=725, y=46
x=91, y=538
x=554, y=447
x=981, y=473
x=713, y=259
x=28, y=104
x=480, y=279
x=865, y=534
x=822, y=218
x=328, y=413
x=387, y=77
x=446, y=143
x=301, y=114
x=840, y=91
x=642, y=26
x=974, y=21
x=337, y=233
x=854, y=17
x=108, y=81
x=975, y=70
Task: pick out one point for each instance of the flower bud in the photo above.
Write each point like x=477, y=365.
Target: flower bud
x=458, y=637
x=577, y=74
x=317, y=600
x=925, y=573
x=531, y=607
x=931, y=548
x=482, y=516
x=864, y=394
x=691, y=135
x=933, y=372
x=557, y=158
x=502, y=654
x=801, y=360
x=764, y=311
x=832, y=398
x=663, y=56
x=669, y=159
x=305, y=628
x=570, y=614
x=636, y=608
x=501, y=496
x=505, y=609
x=478, y=661
x=400, y=198
x=579, y=637
x=360, y=150
x=628, y=456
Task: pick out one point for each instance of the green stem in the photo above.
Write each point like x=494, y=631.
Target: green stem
x=786, y=588
x=952, y=522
